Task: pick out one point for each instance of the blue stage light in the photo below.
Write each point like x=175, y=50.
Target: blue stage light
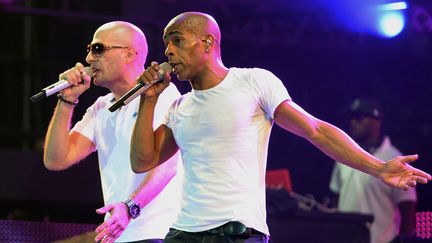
x=391, y=23
x=393, y=6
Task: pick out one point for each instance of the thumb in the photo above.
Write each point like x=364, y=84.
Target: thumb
x=167, y=78
x=410, y=158
x=87, y=74
x=104, y=209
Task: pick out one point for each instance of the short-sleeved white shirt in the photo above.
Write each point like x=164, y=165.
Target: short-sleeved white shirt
x=111, y=133
x=223, y=134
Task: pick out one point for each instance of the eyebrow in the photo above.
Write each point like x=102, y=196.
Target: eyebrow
x=174, y=32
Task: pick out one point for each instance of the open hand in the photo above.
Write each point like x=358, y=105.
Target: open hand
x=114, y=226
x=398, y=173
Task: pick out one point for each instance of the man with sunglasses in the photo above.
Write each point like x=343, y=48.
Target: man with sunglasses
x=393, y=209
x=222, y=128
x=138, y=207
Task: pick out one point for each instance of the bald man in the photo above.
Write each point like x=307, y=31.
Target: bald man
x=222, y=128
x=138, y=208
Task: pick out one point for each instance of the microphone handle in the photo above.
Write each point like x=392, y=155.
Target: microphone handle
x=132, y=94
x=56, y=87
x=38, y=96
x=53, y=88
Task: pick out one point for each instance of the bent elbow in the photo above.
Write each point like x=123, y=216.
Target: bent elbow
x=52, y=165
x=138, y=165
x=137, y=169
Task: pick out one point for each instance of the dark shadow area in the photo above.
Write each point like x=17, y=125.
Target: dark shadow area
x=322, y=65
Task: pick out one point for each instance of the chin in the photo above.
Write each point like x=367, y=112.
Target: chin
x=183, y=77
x=95, y=82
x=98, y=81
x=180, y=78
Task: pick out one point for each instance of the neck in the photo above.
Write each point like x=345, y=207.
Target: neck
x=210, y=76
x=121, y=89
x=125, y=83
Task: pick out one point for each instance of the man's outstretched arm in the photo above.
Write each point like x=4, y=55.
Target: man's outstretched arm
x=339, y=146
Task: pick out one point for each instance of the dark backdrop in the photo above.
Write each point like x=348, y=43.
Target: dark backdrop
x=323, y=65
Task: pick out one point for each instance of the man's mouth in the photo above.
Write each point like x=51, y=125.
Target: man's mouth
x=174, y=67
x=95, y=71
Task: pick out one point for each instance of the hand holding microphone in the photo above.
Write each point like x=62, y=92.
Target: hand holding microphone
x=78, y=77
x=156, y=77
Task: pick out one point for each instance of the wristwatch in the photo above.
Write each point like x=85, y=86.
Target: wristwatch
x=134, y=208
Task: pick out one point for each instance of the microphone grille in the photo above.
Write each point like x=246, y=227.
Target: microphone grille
x=88, y=71
x=164, y=67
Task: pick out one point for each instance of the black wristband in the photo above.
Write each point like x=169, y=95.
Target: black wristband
x=61, y=98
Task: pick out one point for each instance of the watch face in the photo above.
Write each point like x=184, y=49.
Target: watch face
x=134, y=210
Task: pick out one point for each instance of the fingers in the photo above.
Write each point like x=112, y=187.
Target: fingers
x=167, y=78
x=117, y=232
x=154, y=73
x=412, y=181
x=109, y=233
x=103, y=227
x=150, y=75
x=421, y=176
x=107, y=239
x=79, y=66
x=75, y=75
x=155, y=68
x=420, y=179
x=102, y=232
x=105, y=209
x=417, y=176
x=147, y=76
x=114, y=226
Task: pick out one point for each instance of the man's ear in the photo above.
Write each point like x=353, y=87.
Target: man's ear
x=130, y=54
x=209, y=40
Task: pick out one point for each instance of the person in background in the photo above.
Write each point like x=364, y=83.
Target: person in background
x=222, y=128
x=393, y=209
x=138, y=207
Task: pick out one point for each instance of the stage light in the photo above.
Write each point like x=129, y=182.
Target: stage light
x=391, y=23
x=393, y=6
x=383, y=18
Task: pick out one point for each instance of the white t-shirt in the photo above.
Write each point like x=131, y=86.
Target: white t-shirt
x=223, y=135
x=111, y=133
x=363, y=193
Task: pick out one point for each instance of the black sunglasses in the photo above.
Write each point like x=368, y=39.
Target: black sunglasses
x=98, y=49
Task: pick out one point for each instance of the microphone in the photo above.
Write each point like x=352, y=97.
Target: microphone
x=140, y=88
x=56, y=87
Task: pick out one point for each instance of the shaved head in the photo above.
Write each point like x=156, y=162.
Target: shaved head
x=197, y=23
x=126, y=34
x=192, y=41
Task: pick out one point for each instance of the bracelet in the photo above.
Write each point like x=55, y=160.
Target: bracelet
x=61, y=98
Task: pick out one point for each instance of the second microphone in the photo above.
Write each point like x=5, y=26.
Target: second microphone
x=140, y=88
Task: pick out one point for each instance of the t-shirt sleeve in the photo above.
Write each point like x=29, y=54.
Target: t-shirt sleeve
x=166, y=99
x=271, y=90
x=167, y=118
x=86, y=126
x=164, y=105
